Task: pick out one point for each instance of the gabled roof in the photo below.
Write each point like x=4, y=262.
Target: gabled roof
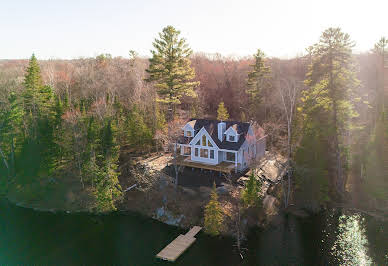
x=211, y=127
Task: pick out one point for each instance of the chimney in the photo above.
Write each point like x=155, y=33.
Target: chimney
x=221, y=130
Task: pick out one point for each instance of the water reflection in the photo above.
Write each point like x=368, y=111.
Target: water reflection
x=329, y=238
x=351, y=243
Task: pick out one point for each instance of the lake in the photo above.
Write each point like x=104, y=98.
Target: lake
x=33, y=237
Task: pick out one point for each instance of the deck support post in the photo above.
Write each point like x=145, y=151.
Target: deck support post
x=235, y=162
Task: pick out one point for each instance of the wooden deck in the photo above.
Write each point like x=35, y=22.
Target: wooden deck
x=173, y=250
x=225, y=167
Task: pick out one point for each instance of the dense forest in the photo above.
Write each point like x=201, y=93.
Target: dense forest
x=72, y=119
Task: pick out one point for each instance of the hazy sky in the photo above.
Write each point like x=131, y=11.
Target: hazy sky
x=75, y=28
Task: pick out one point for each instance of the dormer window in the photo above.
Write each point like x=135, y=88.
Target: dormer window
x=231, y=134
x=188, y=133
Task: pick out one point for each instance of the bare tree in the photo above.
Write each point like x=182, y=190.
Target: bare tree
x=174, y=132
x=237, y=218
x=289, y=89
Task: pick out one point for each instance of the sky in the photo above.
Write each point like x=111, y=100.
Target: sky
x=68, y=29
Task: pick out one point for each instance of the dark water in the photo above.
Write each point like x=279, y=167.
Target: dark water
x=31, y=237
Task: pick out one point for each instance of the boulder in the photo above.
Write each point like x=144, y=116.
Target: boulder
x=167, y=217
x=189, y=191
x=242, y=180
x=293, y=210
x=205, y=191
x=270, y=205
x=222, y=190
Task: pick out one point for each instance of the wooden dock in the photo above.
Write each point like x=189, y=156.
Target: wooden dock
x=173, y=250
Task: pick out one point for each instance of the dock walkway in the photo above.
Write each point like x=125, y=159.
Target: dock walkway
x=173, y=250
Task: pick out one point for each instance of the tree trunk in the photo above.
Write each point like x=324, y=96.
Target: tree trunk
x=5, y=162
x=13, y=170
x=176, y=167
x=338, y=179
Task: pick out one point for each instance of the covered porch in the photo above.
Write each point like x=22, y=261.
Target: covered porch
x=224, y=167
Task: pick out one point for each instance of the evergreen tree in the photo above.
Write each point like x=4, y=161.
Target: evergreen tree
x=107, y=187
x=170, y=69
x=376, y=154
x=160, y=119
x=11, y=120
x=33, y=84
x=381, y=51
x=222, y=112
x=328, y=103
x=258, y=83
x=250, y=194
x=106, y=184
x=213, y=214
x=139, y=134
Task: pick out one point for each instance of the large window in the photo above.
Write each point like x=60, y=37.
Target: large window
x=211, y=154
x=187, y=150
x=203, y=140
x=209, y=143
x=230, y=156
x=204, y=153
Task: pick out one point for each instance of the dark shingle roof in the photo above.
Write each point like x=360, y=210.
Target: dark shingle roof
x=211, y=127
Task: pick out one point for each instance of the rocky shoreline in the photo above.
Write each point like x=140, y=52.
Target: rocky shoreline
x=149, y=191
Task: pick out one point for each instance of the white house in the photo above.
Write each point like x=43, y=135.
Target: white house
x=213, y=142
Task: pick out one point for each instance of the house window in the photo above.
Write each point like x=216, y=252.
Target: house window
x=188, y=134
x=203, y=140
x=187, y=150
x=230, y=156
x=211, y=154
x=231, y=138
x=196, y=152
x=204, y=153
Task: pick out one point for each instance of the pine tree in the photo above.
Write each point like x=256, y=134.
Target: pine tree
x=106, y=183
x=170, y=69
x=38, y=102
x=213, y=214
x=376, y=154
x=328, y=103
x=381, y=51
x=222, y=112
x=33, y=84
x=258, y=83
x=250, y=194
x=11, y=120
x=139, y=134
